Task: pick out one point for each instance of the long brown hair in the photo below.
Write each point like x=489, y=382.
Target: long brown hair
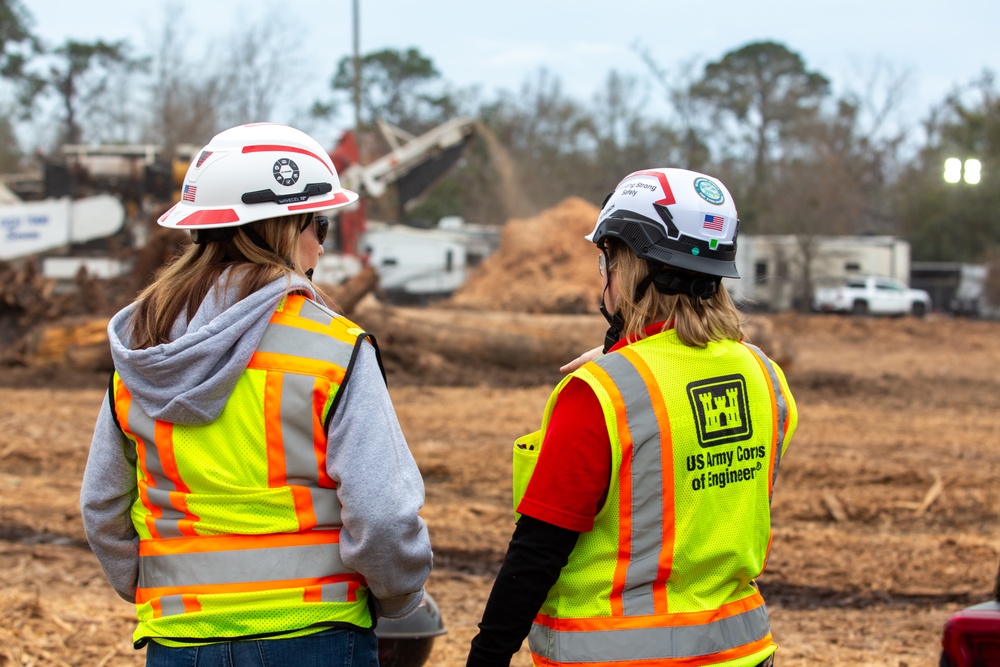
x=697, y=321
x=182, y=285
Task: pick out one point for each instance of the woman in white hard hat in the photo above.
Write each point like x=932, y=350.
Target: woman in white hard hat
x=248, y=486
x=644, y=499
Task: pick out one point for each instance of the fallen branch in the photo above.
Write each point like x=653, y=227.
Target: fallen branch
x=835, y=508
x=932, y=494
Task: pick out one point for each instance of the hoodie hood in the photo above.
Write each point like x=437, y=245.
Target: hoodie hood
x=189, y=380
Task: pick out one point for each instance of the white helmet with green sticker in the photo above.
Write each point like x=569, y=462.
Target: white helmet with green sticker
x=676, y=217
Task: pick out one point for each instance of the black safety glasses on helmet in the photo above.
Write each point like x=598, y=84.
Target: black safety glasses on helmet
x=322, y=227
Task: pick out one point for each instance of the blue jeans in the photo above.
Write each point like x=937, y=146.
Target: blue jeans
x=329, y=648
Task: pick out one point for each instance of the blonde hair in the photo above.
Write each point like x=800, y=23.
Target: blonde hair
x=182, y=285
x=697, y=321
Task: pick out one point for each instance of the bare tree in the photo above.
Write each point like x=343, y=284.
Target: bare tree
x=262, y=62
x=626, y=137
x=183, y=95
x=691, y=127
x=549, y=137
x=240, y=79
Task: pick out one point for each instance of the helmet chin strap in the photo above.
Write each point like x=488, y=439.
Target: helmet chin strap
x=614, y=332
x=615, y=321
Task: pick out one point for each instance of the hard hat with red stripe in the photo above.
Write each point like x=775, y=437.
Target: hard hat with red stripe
x=254, y=172
x=675, y=217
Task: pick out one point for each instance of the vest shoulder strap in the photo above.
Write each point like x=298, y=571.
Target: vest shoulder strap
x=111, y=399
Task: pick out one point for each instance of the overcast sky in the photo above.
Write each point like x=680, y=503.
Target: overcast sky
x=498, y=45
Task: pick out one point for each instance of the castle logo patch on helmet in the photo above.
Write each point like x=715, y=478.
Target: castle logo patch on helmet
x=286, y=171
x=709, y=191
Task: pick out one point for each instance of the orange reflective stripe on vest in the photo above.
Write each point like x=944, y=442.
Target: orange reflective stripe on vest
x=163, y=491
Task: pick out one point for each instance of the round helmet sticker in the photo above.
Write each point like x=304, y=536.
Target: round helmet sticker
x=285, y=171
x=709, y=191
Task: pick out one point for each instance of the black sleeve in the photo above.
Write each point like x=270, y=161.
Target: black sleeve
x=536, y=554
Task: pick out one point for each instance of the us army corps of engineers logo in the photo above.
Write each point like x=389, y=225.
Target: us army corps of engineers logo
x=720, y=410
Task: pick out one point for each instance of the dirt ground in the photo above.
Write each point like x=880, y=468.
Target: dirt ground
x=886, y=511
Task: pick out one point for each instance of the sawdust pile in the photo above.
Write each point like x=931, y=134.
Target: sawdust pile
x=543, y=265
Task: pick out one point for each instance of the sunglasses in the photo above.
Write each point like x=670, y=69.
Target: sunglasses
x=322, y=227
x=603, y=263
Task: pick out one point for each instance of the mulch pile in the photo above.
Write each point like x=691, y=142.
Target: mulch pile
x=542, y=265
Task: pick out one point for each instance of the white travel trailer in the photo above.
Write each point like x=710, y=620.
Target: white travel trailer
x=779, y=272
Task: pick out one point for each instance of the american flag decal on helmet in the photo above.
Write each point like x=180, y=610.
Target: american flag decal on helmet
x=714, y=222
x=189, y=192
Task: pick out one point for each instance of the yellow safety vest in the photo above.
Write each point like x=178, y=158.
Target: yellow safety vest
x=666, y=575
x=238, y=521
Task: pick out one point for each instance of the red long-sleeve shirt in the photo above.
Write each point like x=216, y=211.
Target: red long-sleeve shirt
x=571, y=477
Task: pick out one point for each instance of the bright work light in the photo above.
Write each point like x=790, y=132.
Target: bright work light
x=972, y=169
x=952, y=170
x=955, y=171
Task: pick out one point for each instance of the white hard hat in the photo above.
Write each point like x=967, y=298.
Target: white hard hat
x=675, y=217
x=254, y=172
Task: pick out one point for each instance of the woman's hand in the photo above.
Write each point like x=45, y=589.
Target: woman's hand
x=589, y=355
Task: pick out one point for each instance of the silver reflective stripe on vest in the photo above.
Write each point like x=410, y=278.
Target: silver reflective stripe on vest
x=326, y=507
x=779, y=398
x=298, y=412
x=335, y=592
x=283, y=339
x=160, y=486
x=242, y=566
x=647, y=486
x=663, y=643
x=171, y=605
x=315, y=312
x=297, y=428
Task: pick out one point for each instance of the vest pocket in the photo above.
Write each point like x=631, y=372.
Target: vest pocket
x=526, y=450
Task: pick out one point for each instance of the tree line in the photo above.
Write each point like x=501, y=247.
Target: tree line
x=798, y=158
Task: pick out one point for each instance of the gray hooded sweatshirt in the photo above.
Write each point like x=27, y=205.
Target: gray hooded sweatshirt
x=189, y=380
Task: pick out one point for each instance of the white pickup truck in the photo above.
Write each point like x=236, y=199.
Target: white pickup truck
x=871, y=295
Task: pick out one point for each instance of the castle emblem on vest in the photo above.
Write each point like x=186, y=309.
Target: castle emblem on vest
x=720, y=410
